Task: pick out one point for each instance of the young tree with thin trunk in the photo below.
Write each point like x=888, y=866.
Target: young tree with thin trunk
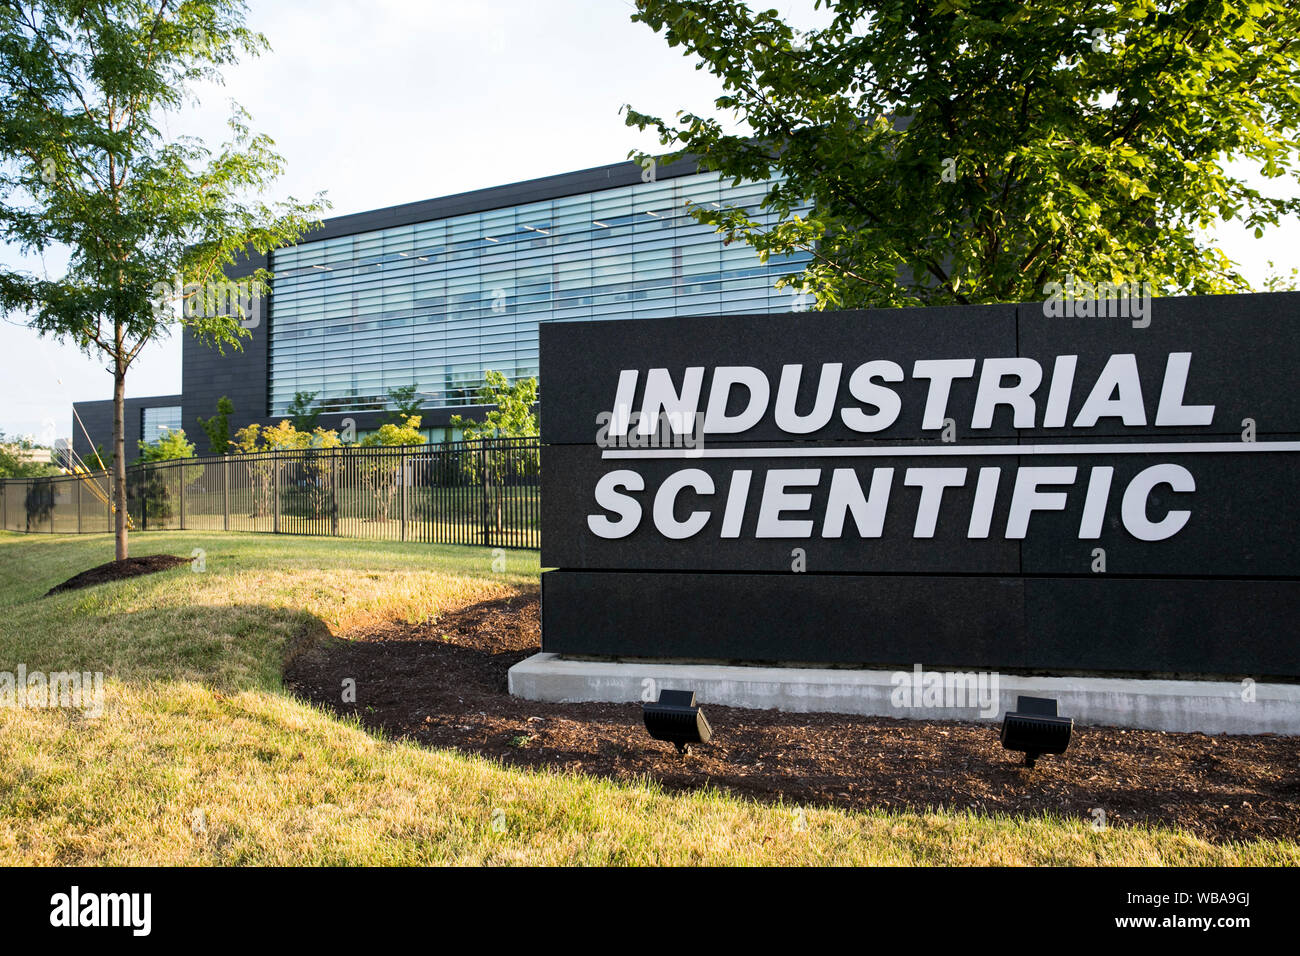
x=147, y=221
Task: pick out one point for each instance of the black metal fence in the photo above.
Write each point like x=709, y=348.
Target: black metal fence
x=484, y=492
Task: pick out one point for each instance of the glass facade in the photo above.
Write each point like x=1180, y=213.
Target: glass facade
x=155, y=422
x=438, y=303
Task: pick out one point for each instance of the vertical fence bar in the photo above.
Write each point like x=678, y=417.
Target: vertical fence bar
x=334, y=492
x=180, y=470
x=275, y=492
x=401, y=478
x=483, y=492
x=225, y=493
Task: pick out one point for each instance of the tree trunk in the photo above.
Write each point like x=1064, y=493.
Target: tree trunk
x=119, y=461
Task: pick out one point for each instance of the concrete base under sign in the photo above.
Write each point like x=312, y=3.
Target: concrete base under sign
x=1211, y=707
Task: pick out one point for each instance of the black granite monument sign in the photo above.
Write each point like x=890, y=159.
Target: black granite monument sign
x=984, y=486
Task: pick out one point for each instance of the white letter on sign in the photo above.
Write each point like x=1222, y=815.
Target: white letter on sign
x=1026, y=498
x=846, y=498
x=716, y=419
x=790, y=421
x=1134, y=508
x=660, y=396
x=610, y=498
x=865, y=390
x=1020, y=397
x=623, y=398
x=932, y=482
x=1119, y=376
x=775, y=500
x=941, y=373
x=1172, y=411
x=666, y=499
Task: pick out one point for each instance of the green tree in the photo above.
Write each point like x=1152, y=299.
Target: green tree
x=217, y=427
x=148, y=221
x=499, y=465
x=406, y=402
x=255, y=442
x=99, y=460
x=393, y=434
x=150, y=486
x=303, y=411
x=959, y=151
x=513, y=415
x=16, y=462
x=172, y=444
x=102, y=460
x=382, y=474
x=252, y=439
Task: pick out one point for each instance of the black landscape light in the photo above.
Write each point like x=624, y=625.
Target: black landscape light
x=1035, y=729
x=675, y=718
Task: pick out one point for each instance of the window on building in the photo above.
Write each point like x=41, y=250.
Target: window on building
x=437, y=304
x=156, y=422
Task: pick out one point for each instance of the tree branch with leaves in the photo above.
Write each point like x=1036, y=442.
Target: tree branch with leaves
x=934, y=152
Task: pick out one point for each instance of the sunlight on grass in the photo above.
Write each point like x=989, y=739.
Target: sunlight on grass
x=201, y=758
x=174, y=774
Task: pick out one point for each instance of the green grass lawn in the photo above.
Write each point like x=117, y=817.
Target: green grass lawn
x=201, y=758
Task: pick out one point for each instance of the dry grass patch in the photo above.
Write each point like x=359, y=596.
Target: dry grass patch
x=201, y=758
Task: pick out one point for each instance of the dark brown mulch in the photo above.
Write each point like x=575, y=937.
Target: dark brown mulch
x=443, y=684
x=117, y=570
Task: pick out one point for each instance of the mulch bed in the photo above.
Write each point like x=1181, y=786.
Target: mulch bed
x=117, y=570
x=443, y=684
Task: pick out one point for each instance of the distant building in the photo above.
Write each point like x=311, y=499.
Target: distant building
x=435, y=293
x=35, y=455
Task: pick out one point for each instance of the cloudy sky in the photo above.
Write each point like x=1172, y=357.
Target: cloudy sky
x=384, y=101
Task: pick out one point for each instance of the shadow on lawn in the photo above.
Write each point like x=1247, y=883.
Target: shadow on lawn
x=231, y=648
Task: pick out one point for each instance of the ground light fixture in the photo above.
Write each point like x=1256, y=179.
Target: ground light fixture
x=1035, y=729
x=674, y=717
